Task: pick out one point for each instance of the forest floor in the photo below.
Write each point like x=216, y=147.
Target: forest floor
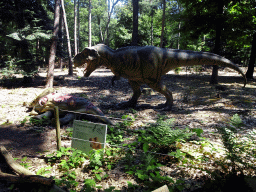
x=197, y=104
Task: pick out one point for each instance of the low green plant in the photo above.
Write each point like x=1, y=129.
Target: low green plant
x=39, y=122
x=115, y=135
x=24, y=163
x=44, y=170
x=128, y=119
x=236, y=121
x=147, y=170
x=177, y=70
x=240, y=151
x=101, y=160
x=69, y=132
x=162, y=136
x=67, y=158
x=68, y=180
x=96, y=158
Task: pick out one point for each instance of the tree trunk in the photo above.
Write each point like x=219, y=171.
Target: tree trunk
x=50, y=74
x=178, y=43
x=152, y=28
x=249, y=73
x=110, y=11
x=78, y=26
x=90, y=26
x=214, y=77
x=23, y=45
x=67, y=33
x=60, y=34
x=135, y=30
x=163, y=24
x=101, y=36
x=75, y=27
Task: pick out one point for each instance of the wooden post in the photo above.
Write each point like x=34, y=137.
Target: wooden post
x=57, y=126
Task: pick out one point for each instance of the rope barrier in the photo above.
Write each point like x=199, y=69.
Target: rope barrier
x=118, y=146
x=93, y=115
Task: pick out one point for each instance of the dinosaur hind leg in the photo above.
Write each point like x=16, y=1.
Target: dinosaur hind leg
x=136, y=94
x=166, y=92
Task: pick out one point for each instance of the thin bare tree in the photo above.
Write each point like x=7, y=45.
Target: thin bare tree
x=67, y=33
x=90, y=26
x=163, y=24
x=75, y=27
x=78, y=27
x=135, y=33
x=50, y=73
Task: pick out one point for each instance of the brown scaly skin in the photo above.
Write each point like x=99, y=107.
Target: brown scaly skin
x=146, y=65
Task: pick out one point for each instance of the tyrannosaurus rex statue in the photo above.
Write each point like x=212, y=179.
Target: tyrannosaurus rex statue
x=146, y=65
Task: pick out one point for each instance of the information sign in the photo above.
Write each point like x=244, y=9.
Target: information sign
x=88, y=135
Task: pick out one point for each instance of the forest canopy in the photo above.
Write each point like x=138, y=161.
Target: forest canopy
x=27, y=25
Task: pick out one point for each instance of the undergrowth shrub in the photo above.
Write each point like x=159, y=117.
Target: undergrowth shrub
x=240, y=150
x=162, y=136
x=237, y=169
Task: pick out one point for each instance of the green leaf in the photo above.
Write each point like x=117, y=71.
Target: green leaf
x=145, y=147
x=98, y=177
x=198, y=132
x=130, y=172
x=89, y=183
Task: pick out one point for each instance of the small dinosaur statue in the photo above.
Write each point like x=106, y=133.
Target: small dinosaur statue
x=146, y=65
x=44, y=104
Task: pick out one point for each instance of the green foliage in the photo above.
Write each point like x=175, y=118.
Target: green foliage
x=116, y=134
x=236, y=121
x=96, y=158
x=44, y=170
x=240, y=151
x=162, y=136
x=24, y=163
x=147, y=170
x=67, y=158
x=102, y=160
x=39, y=122
x=177, y=70
x=68, y=180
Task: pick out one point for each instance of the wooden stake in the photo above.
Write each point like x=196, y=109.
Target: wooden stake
x=57, y=126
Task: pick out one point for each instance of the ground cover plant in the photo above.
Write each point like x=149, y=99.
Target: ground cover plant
x=207, y=140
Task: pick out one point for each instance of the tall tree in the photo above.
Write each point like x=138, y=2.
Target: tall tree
x=78, y=27
x=60, y=34
x=163, y=24
x=50, y=74
x=67, y=34
x=75, y=27
x=135, y=33
x=217, y=47
x=90, y=25
x=207, y=17
x=249, y=73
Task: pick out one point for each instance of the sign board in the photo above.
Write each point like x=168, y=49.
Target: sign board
x=88, y=136
x=162, y=189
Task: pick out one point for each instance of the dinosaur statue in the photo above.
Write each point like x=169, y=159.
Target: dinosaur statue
x=146, y=65
x=44, y=104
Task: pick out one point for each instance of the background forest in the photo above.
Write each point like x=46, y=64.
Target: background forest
x=224, y=27
x=207, y=142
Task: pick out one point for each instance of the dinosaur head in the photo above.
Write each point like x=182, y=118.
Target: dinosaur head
x=89, y=56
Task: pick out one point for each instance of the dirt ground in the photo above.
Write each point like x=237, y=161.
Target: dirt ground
x=197, y=104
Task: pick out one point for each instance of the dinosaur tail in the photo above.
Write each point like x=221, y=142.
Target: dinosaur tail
x=233, y=66
x=205, y=58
